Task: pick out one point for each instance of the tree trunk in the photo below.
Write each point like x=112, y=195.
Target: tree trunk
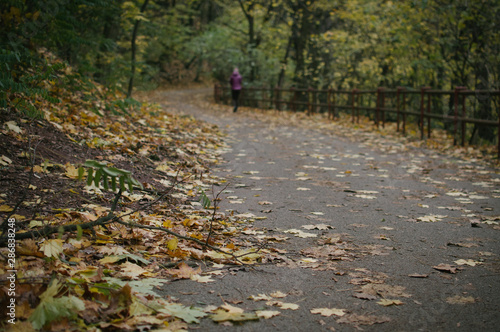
x=134, y=49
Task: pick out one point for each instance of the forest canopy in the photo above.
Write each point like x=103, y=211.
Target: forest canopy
x=339, y=44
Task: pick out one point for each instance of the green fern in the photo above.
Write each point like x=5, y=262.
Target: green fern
x=108, y=177
x=204, y=199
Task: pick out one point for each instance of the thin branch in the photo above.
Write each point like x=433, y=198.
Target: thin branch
x=216, y=198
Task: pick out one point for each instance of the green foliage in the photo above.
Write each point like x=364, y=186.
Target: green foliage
x=204, y=199
x=109, y=177
x=52, y=308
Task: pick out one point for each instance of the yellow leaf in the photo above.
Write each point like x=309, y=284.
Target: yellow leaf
x=52, y=248
x=167, y=224
x=266, y=314
x=387, y=302
x=172, y=244
x=11, y=125
x=327, y=312
x=201, y=279
x=132, y=270
x=5, y=161
x=5, y=208
x=71, y=171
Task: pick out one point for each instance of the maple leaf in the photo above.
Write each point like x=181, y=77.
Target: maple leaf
x=52, y=248
x=222, y=315
x=266, y=314
x=445, y=268
x=188, y=314
x=131, y=270
x=460, y=299
x=184, y=271
x=260, y=297
x=11, y=125
x=142, y=286
x=6, y=208
x=278, y=294
x=469, y=262
x=5, y=161
x=356, y=320
x=387, y=302
x=299, y=233
x=71, y=171
x=50, y=308
x=327, y=312
x=200, y=279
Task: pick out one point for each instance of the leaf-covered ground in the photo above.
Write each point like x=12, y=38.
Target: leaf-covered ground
x=322, y=224
x=87, y=258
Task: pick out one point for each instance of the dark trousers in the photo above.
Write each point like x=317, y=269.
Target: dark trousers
x=236, y=95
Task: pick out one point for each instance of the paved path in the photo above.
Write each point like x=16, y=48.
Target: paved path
x=393, y=214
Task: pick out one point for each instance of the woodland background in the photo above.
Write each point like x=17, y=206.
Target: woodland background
x=318, y=44
x=69, y=71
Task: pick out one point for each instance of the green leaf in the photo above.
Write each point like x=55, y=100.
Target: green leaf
x=51, y=309
x=90, y=177
x=114, y=172
x=79, y=232
x=97, y=177
x=113, y=183
x=93, y=163
x=122, y=183
x=188, y=314
x=81, y=171
x=105, y=181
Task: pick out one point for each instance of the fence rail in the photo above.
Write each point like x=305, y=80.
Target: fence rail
x=454, y=109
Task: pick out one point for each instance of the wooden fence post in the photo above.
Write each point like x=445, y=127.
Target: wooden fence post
x=398, y=106
x=377, y=107
x=429, y=115
x=464, y=114
x=353, y=103
x=422, y=107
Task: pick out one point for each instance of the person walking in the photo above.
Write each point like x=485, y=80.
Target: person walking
x=235, y=80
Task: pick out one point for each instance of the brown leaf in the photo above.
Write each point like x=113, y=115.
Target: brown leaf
x=364, y=296
x=362, y=319
x=445, y=268
x=184, y=271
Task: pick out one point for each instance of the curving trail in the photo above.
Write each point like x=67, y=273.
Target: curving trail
x=388, y=233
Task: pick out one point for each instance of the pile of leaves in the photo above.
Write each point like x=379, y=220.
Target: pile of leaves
x=109, y=199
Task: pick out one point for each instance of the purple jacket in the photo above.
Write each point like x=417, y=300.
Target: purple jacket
x=235, y=81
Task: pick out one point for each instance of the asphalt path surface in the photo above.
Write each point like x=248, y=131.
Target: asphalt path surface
x=388, y=215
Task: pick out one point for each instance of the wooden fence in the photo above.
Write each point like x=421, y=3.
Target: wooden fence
x=452, y=110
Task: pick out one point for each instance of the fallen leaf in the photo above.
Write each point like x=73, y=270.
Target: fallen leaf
x=222, y=315
x=299, y=233
x=356, y=320
x=327, y=312
x=5, y=161
x=278, y=294
x=200, y=279
x=52, y=248
x=431, y=218
x=387, y=302
x=460, y=300
x=260, y=297
x=11, y=125
x=445, y=268
x=6, y=208
x=364, y=296
x=469, y=262
x=71, y=171
x=266, y=314
x=131, y=270
x=318, y=226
